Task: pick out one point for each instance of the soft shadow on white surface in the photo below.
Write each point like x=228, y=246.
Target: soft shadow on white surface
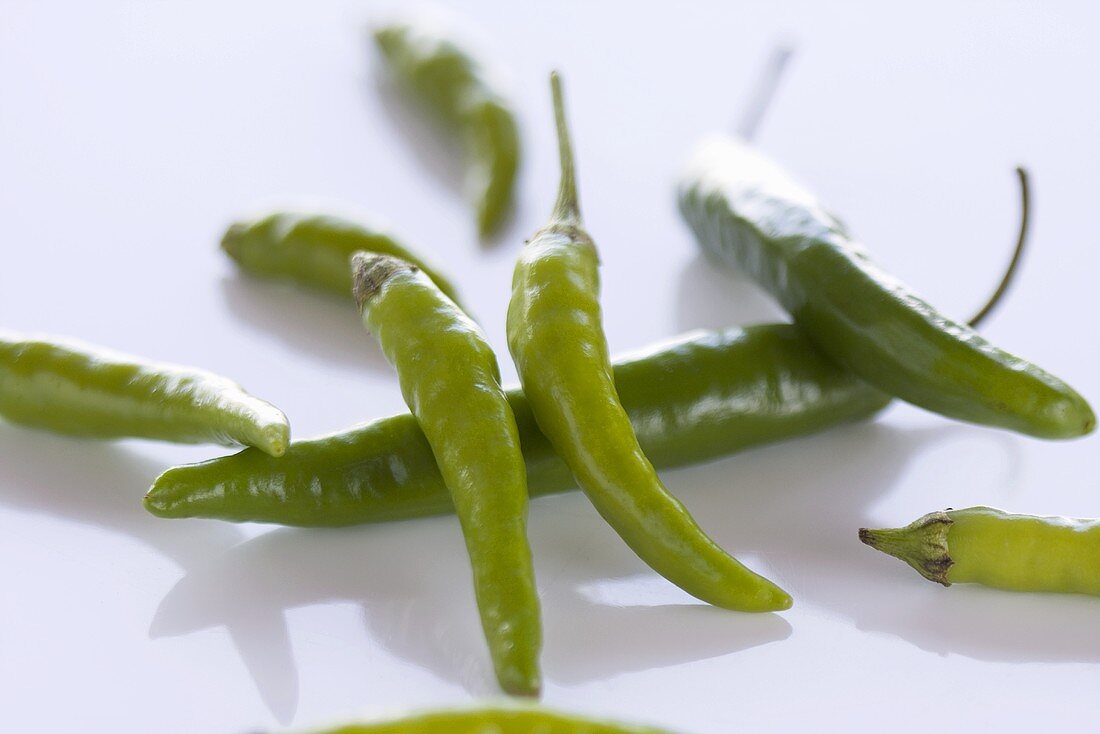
x=413, y=582
x=100, y=484
x=982, y=623
x=411, y=587
x=322, y=327
x=605, y=613
x=711, y=296
x=592, y=642
x=820, y=502
x=243, y=597
x=792, y=509
x=800, y=507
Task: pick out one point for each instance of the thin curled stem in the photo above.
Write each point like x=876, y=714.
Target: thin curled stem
x=1017, y=254
x=567, y=208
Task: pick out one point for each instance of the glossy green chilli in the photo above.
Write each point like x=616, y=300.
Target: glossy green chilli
x=494, y=721
x=74, y=388
x=451, y=382
x=704, y=395
x=746, y=211
x=701, y=396
x=983, y=545
x=557, y=342
x=463, y=95
x=314, y=250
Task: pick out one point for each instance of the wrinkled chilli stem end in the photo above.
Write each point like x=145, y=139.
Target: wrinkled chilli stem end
x=922, y=544
x=1017, y=254
x=370, y=271
x=567, y=208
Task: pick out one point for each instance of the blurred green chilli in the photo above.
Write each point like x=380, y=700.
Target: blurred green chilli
x=426, y=58
x=494, y=721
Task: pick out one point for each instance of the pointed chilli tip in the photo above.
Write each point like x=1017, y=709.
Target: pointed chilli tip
x=275, y=438
x=158, y=501
x=385, y=37
x=523, y=688
x=233, y=239
x=155, y=504
x=781, y=600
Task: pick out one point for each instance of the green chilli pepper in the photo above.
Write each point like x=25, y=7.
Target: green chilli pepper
x=746, y=211
x=699, y=397
x=460, y=92
x=313, y=250
x=494, y=721
x=81, y=390
x=705, y=395
x=451, y=381
x=983, y=545
x=560, y=351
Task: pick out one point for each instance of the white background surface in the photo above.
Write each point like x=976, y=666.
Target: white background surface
x=131, y=133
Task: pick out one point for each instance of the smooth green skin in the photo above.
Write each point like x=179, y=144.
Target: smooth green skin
x=460, y=93
x=313, y=250
x=703, y=396
x=451, y=382
x=984, y=545
x=81, y=390
x=746, y=211
x=559, y=348
x=494, y=721
x=1024, y=552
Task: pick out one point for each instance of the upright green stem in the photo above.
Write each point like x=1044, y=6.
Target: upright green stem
x=567, y=208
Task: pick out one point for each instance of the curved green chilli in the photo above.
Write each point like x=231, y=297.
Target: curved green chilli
x=314, y=250
x=81, y=390
x=451, y=381
x=494, y=721
x=701, y=396
x=746, y=211
x=987, y=546
x=559, y=348
x=461, y=94
x=705, y=395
